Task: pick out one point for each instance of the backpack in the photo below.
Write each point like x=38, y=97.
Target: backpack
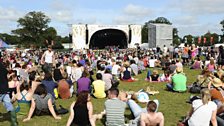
x=127, y=74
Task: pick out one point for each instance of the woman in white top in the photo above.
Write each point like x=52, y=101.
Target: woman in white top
x=203, y=111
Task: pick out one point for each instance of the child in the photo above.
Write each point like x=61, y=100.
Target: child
x=211, y=66
x=166, y=76
x=154, y=77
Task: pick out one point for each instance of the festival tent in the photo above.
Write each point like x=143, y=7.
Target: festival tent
x=3, y=44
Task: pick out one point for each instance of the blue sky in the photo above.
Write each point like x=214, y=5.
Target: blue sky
x=194, y=17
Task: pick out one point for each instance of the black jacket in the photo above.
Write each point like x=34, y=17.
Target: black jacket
x=3, y=79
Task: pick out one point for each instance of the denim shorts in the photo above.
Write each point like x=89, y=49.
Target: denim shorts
x=6, y=102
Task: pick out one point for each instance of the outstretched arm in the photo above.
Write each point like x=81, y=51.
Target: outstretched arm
x=51, y=108
x=91, y=118
x=32, y=108
x=71, y=117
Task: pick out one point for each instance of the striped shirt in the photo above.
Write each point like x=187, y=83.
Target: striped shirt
x=115, y=109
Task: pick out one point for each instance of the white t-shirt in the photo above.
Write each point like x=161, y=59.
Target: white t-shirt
x=202, y=116
x=165, y=49
x=152, y=62
x=49, y=57
x=115, y=69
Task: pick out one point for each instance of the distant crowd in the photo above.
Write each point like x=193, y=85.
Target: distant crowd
x=36, y=79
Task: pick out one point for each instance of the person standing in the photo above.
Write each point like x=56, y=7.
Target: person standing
x=48, y=59
x=4, y=96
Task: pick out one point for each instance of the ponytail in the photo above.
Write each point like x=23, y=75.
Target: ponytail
x=206, y=96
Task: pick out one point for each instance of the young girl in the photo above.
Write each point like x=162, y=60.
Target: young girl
x=211, y=66
x=166, y=76
x=13, y=83
x=154, y=77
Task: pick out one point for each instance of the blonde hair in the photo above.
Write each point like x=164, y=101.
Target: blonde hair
x=212, y=61
x=155, y=72
x=206, y=96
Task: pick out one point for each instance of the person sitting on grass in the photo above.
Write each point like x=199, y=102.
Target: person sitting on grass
x=49, y=83
x=41, y=104
x=99, y=87
x=197, y=64
x=155, y=76
x=152, y=118
x=178, y=81
x=146, y=116
x=166, y=76
x=83, y=83
x=211, y=66
x=64, y=87
x=127, y=72
x=203, y=111
x=81, y=111
x=23, y=96
x=114, y=109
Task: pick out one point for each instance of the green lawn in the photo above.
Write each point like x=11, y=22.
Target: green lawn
x=173, y=105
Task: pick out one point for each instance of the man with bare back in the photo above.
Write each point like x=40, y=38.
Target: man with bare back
x=152, y=118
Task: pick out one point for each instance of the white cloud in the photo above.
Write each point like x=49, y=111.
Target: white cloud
x=10, y=14
x=132, y=14
x=59, y=11
x=136, y=11
x=185, y=20
x=199, y=7
x=64, y=16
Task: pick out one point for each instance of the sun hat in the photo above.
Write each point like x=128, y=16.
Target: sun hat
x=216, y=82
x=126, y=64
x=179, y=70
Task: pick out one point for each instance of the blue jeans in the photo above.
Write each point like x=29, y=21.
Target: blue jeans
x=136, y=109
x=169, y=87
x=6, y=102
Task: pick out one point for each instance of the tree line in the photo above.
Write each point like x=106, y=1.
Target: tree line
x=33, y=31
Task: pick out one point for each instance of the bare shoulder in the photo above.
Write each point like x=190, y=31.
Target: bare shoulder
x=160, y=115
x=89, y=104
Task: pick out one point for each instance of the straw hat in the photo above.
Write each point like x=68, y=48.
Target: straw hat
x=126, y=64
x=179, y=69
x=216, y=82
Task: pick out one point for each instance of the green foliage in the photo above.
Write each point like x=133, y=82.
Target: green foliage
x=32, y=28
x=189, y=39
x=160, y=20
x=176, y=38
x=222, y=23
x=145, y=33
x=10, y=39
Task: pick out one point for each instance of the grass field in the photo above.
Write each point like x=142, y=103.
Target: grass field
x=172, y=105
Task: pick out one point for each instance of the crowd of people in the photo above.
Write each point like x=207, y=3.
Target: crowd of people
x=36, y=79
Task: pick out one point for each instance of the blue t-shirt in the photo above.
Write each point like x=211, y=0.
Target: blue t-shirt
x=50, y=85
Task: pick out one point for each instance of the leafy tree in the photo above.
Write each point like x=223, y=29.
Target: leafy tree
x=176, y=38
x=32, y=28
x=189, y=39
x=9, y=39
x=145, y=33
x=161, y=20
x=222, y=23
